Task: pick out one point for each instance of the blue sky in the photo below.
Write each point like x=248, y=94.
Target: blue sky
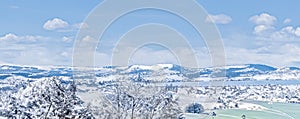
x=37, y=32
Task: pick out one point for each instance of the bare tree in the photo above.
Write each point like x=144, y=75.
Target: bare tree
x=129, y=99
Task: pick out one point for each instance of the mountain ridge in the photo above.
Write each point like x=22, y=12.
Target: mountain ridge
x=233, y=72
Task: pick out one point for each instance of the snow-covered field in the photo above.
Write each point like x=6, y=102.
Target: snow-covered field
x=161, y=90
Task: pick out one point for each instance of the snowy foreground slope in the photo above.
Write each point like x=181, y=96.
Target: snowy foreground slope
x=137, y=91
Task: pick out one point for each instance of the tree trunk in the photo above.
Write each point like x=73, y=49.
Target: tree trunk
x=133, y=105
x=48, y=110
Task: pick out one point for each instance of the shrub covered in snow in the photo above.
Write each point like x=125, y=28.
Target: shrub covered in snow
x=45, y=98
x=194, y=108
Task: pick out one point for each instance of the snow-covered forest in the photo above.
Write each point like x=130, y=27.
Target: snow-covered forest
x=56, y=98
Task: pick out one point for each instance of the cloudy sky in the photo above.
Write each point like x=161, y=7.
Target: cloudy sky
x=37, y=32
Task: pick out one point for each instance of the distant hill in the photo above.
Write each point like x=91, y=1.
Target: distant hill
x=168, y=71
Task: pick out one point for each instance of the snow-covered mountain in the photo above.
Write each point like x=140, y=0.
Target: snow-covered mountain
x=169, y=71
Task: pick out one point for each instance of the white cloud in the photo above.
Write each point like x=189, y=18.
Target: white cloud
x=266, y=30
x=263, y=19
x=43, y=52
x=67, y=39
x=74, y=27
x=13, y=37
x=259, y=29
x=9, y=36
x=288, y=29
x=297, y=32
x=270, y=44
x=88, y=39
x=80, y=25
x=287, y=20
x=61, y=25
x=288, y=33
x=65, y=54
x=218, y=19
x=55, y=23
x=267, y=54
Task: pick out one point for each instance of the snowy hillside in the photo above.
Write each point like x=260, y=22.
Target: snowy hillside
x=35, y=92
x=169, y=71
